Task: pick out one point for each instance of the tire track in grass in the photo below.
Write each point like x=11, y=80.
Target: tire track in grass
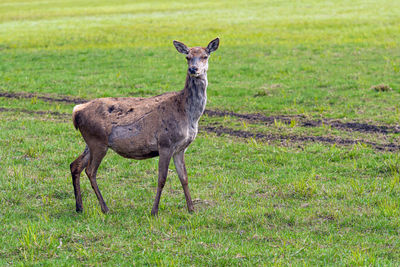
x=220, y=130
x=299, y=119
x=36, y=112
x=65, y=99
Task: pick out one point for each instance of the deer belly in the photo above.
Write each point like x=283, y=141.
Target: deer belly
x=131, y=141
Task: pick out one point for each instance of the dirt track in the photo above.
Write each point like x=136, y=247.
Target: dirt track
x=65, y=99
x=301, y=120
x=38, y=112
x=219, y=130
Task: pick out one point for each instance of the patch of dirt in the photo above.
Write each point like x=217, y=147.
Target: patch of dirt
x=254, y=117
x=64, y=99
x=219, y=130
x=37, y=112
x=301, y=120
x=353, y=126
x=381, y=88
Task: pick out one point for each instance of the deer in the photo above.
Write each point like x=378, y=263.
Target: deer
x=142, y=128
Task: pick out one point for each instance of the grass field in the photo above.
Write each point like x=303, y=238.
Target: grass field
x=297, y=160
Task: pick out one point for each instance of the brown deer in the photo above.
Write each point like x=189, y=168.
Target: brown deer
x=142, y=128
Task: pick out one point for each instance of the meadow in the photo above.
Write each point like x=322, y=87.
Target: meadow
x=297, y=161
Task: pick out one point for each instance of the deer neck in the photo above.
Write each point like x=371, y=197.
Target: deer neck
x=196, y=97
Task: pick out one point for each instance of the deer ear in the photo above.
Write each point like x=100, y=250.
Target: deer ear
x=213, y=45
x=181, y=47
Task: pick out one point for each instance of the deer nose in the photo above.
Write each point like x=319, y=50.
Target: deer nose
x=193, y=70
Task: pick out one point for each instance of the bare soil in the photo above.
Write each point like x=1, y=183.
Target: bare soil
x=220, y=130
x=64, y=99
x=301, y=120
x=37, y=112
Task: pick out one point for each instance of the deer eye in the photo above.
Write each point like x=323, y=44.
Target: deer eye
x=188, y=58
x=205, y=57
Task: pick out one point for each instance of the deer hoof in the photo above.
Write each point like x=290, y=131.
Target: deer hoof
x=154, y=212
x=105, y=210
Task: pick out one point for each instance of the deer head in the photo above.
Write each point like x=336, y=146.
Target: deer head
x=197, y=57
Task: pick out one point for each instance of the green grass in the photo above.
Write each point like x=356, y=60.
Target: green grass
x=257, y=202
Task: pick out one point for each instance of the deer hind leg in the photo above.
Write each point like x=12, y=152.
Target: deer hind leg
x=163, y=163
x=179, y=162
x=77, y=167
x=97, y=153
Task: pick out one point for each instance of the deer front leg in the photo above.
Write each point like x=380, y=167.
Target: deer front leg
x=76, y=168
x=163, y=163
x=96, y=155
x=179, y=162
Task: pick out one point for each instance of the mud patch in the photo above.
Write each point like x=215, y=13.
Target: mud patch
x=219, y=130
x=36, y=112
x=301, y=120
x=381, y=88
x=254, y=117
x=353, y=126
x=63, y=99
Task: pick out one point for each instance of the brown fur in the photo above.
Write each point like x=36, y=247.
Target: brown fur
x=142, y=128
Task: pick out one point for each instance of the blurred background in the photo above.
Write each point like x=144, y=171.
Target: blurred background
x=275, y=56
